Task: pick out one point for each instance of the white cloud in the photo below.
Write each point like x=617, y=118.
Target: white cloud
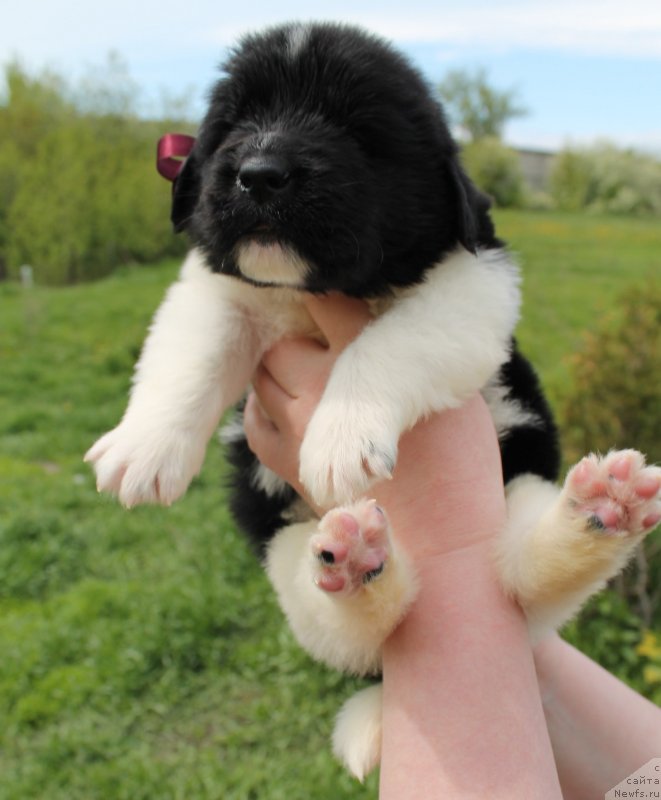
x=608, y=27
x=590, y=26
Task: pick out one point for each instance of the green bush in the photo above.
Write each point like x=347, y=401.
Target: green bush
x=650, y=649
x=571, y=181
x=614, y=403
x=28, y=110
x=616, y=380
x=496, y=171
x=606, y=179
x=89, y=201
x=79, y=192
x=609, y=632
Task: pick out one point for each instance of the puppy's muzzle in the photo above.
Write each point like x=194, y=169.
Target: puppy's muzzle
x=265, y=177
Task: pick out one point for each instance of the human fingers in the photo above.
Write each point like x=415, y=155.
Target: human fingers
x=275, y=448
x=339, y=318
x=287, y=412
x=272, y=447
x=301, y=366
x=298, y=365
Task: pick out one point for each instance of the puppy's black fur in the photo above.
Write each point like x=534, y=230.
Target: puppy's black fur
x=326, y=140
x=375, y=191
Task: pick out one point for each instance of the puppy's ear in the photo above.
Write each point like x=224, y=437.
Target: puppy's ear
x=471, y=205
x=185, y=192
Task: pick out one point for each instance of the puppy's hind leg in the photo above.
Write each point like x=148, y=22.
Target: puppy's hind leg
x=343, y=584
x=358, y=731
x=561, y=546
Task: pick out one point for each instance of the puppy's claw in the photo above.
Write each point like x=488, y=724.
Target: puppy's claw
x=380, y=462
x=141, y=465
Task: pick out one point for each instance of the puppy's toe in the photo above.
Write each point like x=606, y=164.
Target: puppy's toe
x=616, y=494
x=351, y=548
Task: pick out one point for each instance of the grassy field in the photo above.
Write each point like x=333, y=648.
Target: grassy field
x=143, y=655
x=574, y=267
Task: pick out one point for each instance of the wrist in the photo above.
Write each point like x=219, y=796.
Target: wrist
x=459, y=594
x=450, y=520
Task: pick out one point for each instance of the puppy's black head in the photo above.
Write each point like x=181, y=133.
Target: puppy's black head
x=324, y=163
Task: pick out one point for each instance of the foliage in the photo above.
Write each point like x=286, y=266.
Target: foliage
x=495, y=169
x=614, y=402
x=143, y=652
x=80, y=191
x=571, y=180
x=616, y=379
x=107, y=90
x=611, y=634
x=650, y=649
x=88, y=201
x=574, y=269
x=31, y=106
x=606, y=179
x=28, y=110
x=476, y=107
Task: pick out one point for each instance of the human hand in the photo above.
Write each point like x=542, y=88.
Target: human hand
x=449, y=465
x=290, y=381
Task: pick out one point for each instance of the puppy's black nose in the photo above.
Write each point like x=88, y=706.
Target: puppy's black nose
x=264, y=177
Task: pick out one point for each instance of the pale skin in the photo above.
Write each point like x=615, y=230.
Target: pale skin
x=601, y=730
x=462, y=714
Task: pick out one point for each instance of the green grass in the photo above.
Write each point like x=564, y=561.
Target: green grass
x=143, y=654
x=574, y=267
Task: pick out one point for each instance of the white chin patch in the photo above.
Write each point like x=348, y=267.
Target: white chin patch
x=271, y=264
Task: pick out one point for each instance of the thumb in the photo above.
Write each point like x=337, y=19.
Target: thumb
x=340, y=318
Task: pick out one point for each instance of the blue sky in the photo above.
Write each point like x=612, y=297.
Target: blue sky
x=585, y=69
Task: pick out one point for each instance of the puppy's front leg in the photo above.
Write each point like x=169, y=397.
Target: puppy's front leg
x=436, y=345
x=197, y=360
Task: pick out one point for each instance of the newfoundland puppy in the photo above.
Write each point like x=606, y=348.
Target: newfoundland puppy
x=325, y=163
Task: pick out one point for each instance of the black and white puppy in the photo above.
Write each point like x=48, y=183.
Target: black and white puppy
x=325, y=163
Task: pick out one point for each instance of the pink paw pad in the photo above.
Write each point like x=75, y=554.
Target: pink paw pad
x=351, y=547
x=617, y=493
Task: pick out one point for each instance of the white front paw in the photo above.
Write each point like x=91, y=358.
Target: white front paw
x=344, y=451
x=141, y=463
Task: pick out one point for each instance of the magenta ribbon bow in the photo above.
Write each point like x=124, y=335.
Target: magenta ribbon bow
x=170, y=152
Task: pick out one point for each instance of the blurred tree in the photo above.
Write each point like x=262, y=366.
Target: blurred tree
x=29, y=107
x=606, y=179
x=107, y=89
x=79, y=193
x=89, y=201
x=477, y=108
x=496, y=170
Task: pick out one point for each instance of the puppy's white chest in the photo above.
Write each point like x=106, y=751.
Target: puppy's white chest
x=282, y=311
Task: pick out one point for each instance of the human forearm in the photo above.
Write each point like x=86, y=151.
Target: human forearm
x=453, y=726
x=601, y=730
x=461, y=712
